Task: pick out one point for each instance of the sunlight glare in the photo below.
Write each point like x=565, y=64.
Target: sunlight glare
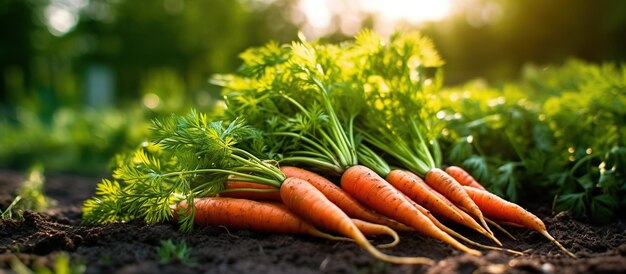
x=413, y=11
x=151, y=100
x=60, y=20
x=321, y=14
x=61, y=16
x=318, y=16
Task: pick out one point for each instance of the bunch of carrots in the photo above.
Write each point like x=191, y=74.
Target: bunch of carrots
x=362, y=110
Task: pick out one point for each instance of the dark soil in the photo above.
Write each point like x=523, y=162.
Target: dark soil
x=132, y=247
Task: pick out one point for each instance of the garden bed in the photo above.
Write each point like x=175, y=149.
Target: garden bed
x=132, y=247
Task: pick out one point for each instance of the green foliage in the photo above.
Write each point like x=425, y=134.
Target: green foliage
x=188, y=156
x=73, y=141
x=31, y=195
x=397, y=79
x=308, y=97
x=170, y=251
x=560, y=130
x=60, y=265
x=290, y=91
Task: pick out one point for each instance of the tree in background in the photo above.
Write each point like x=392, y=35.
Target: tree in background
x=133, y=40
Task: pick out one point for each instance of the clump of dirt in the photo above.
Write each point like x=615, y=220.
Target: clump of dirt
x=132, y=247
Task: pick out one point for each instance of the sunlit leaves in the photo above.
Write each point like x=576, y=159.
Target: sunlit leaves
x=189, y=156
x=104, y=207
x=107, y=187
x=299, y=94
x=258, y=60
x=398, y=85
x=561, y=130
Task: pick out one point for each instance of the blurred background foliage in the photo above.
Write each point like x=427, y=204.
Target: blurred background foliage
x=80, y=79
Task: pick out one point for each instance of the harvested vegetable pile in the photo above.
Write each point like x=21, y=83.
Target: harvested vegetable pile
x=363, y=114
x=44, y=238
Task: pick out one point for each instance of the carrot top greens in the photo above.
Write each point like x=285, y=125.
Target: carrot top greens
x=398, y=79
x=187, y=157
x=309, y=99
x=289, y=92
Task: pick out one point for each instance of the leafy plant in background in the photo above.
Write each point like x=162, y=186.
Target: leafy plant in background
x=588, y=119
x=491, y=132
x=30, y=196
x=559, y=130
x=84, y=140
x=78, y=141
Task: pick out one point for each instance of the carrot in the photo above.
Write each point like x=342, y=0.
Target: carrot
x=451, y=189
x=253, y=215
x=372, y=190
x=463, y=177
x=371, y=229
x=465, y=219
x=367, y=228
x=252, y=191
x=503, y=210
x=456, y=234
x=414, y=187
x=309, y=203
x=343, y=200
x=468, y=221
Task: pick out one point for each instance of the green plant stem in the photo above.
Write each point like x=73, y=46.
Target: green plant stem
x=244, y=189
x=8, y=212
x=580, y=162
x=279, y=176
x=369, y=158
x=399, y=150
x=337, y=170
x=347, y=148
x=257, y=179
x=327, y=154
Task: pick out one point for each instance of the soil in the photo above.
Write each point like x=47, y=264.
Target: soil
x=40, y=237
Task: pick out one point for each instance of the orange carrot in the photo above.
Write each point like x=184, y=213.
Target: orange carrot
x=503, y=210
x=246, y=190
x=372, y=190
x=417, y=190
x=451, y=189
x=455, y=234
x=253, y=215
x=309, y=203
x=459, y=217
x=463, y=177
x=371, y=229
x=343, y=200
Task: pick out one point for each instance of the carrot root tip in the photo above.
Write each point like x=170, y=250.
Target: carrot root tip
x=555, y=242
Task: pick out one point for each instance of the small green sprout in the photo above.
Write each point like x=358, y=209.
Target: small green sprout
x=30, y=196
x=170, y=251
